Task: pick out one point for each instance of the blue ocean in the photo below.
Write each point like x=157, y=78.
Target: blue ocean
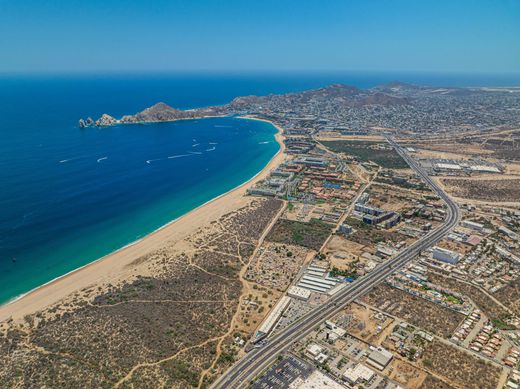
x=69, y=196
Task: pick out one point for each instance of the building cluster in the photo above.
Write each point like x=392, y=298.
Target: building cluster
x=488, y=341
x=409, y=341
x=349, y=111
x=482, y=250
x=377, y=216
x=276, y=185
x=416, y=284
x=466, y=327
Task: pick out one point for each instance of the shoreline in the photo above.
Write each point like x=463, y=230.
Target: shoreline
x=115, y=264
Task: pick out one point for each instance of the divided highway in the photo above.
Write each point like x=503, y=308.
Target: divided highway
x=246, y=369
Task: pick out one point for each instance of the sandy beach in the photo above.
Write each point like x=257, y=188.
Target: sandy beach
x=117, y=266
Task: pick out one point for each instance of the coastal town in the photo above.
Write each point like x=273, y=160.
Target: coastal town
x=319, y=249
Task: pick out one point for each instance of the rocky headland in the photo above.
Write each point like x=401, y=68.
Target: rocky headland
x=344, y=95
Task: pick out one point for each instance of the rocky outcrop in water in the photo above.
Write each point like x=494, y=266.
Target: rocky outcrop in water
x=159, y=112
x=106, y=120
x=88, y=122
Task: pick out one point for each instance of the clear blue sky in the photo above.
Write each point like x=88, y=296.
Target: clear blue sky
x=249, y=35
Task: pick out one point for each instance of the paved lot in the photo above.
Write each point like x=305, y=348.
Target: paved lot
x=283, y=372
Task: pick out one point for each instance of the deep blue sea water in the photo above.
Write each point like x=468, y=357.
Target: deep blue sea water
x=69, y=196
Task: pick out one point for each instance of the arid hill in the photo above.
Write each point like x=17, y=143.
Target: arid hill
x=337, y=94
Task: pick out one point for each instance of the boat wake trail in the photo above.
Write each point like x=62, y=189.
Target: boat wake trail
x=211, y=148
x=101, y=159
x=178, y=156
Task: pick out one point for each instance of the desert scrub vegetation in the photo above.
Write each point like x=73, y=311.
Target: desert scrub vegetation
x=509, y=295
x=481, y=189
x=490, y=307
x=432, y=382
x=459, y=367
x=156, y=330
x=415, y=310
x=364, y=151
x=311, y=235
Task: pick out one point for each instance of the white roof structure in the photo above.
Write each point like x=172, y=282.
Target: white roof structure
x=299, y=293
x=448, y=166
x=274, y=315
x=317, y=380
x=485, y=168
x=358, y=373
x=314, y=349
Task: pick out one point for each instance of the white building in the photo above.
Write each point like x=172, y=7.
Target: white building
x=358, y=374
x=317, y=380
x=313, y=350
x=473, y=225
x=445, y=255
x=270, y=321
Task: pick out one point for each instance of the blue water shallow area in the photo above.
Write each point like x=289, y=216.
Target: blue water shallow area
x=70, y=200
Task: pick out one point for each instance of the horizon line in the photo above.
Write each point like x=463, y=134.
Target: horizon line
x=253, y=71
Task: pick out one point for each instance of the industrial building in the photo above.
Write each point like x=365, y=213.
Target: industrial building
x=379, y=358
x=316, y=279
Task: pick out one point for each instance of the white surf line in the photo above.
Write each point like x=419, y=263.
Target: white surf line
x=101, y=159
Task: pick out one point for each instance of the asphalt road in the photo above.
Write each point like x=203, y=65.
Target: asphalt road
x=259, y=359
